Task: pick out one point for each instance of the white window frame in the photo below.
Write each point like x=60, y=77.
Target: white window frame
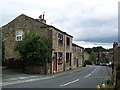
x=19, y=35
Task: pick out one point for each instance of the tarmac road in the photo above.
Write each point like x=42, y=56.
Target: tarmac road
x=88, y=77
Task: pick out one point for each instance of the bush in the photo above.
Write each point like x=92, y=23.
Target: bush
x=34, y=49
x=111, y=81
x=117, y=65
x=87, y=62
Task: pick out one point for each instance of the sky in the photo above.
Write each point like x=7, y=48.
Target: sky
x=91, y=22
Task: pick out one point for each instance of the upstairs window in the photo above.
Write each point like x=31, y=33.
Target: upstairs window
x=68, y=41
x=75, y=49
x=19, y=35
x=60, y=38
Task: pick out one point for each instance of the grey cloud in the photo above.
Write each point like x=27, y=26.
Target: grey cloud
x=76, y=17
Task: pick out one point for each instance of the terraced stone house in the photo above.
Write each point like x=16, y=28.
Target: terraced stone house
x=78, y=56
x=15, y=31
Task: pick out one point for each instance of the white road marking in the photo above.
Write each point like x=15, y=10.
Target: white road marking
x=87, y=76
x=93, y=71
x=69, y=83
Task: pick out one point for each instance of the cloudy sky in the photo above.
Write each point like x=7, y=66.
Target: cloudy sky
x=90, y=22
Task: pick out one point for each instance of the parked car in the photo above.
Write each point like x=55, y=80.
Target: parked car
x=104, y=64
x=97, y=64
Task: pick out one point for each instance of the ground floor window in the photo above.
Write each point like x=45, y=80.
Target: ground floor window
x=75, y=62
x=67, y=57
x=60, y=57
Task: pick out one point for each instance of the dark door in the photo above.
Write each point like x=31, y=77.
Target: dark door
x=55, y=62
x=70, y=59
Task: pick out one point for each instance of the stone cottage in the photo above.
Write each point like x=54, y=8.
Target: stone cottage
x=15, y=31
x=77, y=56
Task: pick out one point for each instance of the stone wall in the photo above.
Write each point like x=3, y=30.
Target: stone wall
x=58, y=47
x=61, y=48
x=22, y=23
x=25, y=24
x=77, y=57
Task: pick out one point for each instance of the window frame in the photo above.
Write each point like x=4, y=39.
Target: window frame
x=67, y=41
x=60, y=58
x=19, y=35
x=60, y=39
x=67, y=56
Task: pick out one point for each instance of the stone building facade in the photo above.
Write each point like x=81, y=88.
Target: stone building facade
x=62, y=49
x=77, y=56
x=116, y=51
x=61, y=41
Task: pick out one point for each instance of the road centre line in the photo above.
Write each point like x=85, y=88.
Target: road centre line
x=87, y=76
x=93, y=71
x=69, y=83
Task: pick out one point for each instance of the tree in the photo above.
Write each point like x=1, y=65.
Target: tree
x=34, y=49
x=117, y=65
x=87, y=62
x=93, y=56
x=97, y=49
x=88, y=50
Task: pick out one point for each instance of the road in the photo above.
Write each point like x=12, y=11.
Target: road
x=89, y=77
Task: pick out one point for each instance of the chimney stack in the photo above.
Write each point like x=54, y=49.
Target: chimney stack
x=42, y=18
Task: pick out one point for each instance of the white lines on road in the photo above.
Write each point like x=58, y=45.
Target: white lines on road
x=87, y=76
x=92, y=72
x=69, y=83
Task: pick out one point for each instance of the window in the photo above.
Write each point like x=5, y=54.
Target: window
x=68, y=41
x=67, y=57
x=60, y=61
x=75, y=49
x=60, y=38
x=75, y=61
x=19, y=35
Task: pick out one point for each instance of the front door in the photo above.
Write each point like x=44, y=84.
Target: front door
x=55, y=62
x=70, y=59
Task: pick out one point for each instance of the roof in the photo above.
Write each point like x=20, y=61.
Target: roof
x=73, y=44
x=50, y=26
x=44, y=24
x=23, y=15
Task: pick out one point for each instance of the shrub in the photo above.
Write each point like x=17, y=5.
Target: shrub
x=117, y=65
x=88, y=62
x=34, y=49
